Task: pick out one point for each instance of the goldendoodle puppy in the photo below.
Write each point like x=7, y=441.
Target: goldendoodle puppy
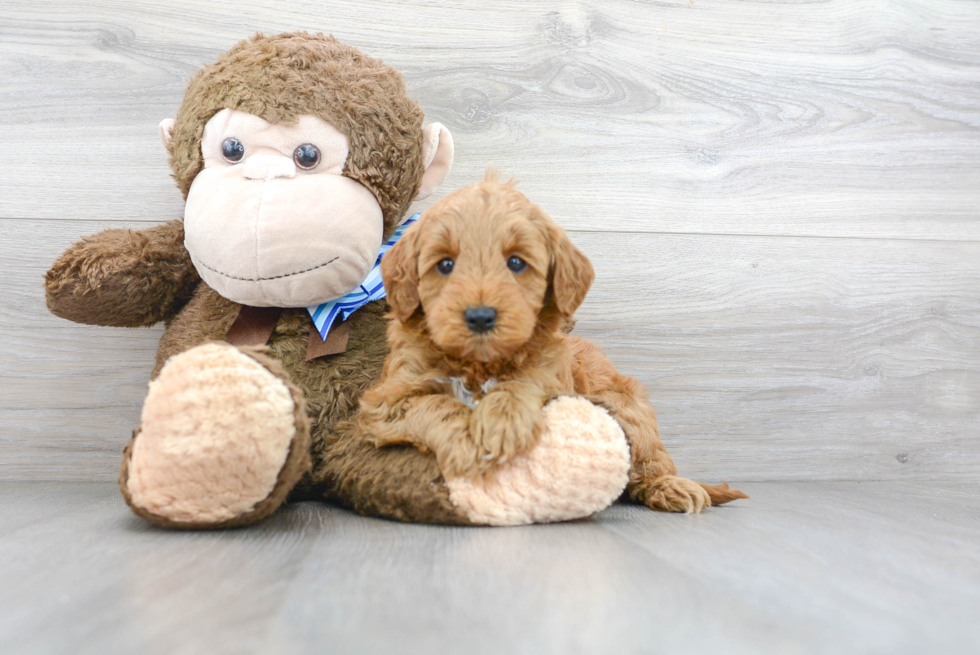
x=481, y=290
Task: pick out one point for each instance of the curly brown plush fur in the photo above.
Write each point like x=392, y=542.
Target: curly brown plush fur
x=282, y=77
x=137, y=278
x=123, y=278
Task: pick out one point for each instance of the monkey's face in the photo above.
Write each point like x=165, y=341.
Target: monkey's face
x=271, y=221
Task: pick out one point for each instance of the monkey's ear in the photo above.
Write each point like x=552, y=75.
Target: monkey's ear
x=572, y=273
x=437, y=158
x=167, y=132
x=400, y=272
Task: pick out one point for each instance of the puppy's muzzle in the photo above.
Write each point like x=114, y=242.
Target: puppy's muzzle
x=480, y=319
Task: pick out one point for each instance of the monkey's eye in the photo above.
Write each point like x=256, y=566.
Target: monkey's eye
x=306, y=156
x=516, y=264
x=233, y=150
x=445, y=267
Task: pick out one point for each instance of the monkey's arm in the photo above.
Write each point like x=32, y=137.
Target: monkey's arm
x=122, y=278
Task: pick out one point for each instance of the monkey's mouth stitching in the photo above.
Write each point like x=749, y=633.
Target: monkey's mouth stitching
x=274, y=277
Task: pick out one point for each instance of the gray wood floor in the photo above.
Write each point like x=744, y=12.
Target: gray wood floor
x=803, y=567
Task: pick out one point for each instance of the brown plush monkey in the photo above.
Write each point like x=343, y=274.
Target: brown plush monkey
x=298, y=157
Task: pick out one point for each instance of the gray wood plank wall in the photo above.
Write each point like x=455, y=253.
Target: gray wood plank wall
x=782, y=201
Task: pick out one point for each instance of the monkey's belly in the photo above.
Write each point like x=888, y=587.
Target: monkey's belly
x=333, y=383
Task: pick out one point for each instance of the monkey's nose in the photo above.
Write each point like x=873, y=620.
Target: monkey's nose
x=480, y=319
x=268, y=167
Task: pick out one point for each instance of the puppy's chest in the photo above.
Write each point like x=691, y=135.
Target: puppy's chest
x=468, y=394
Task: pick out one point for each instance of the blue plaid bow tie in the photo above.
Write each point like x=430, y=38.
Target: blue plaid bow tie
x=372, y=288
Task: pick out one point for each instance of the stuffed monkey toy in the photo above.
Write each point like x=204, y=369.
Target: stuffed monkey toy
x=298, y=158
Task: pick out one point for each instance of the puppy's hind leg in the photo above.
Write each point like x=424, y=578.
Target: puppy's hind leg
x=653, y=476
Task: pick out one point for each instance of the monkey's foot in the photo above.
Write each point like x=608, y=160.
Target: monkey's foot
x=580, y=466
x=224, y=437
x=670, y=493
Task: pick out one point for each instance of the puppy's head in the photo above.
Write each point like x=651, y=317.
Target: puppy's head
x=484, y=268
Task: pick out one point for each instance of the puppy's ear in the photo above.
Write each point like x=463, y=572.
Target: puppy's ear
x=400, y=272
x=572, y=273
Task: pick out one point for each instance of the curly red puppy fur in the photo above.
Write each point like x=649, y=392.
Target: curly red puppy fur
x=480, y=291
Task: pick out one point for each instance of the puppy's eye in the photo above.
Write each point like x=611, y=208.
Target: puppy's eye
x=232, y=150
x=516, y=264
x=306, y=156
x=445, y=267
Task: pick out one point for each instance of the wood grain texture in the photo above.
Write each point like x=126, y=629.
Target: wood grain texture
x=768, y=358
x=834, y=118
x=781, y=200
x=817, y=567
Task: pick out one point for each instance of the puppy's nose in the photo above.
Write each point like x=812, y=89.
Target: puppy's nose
x=480, y=319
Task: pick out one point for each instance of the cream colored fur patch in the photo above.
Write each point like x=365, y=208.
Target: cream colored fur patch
x=215, y=433
x=580, y=467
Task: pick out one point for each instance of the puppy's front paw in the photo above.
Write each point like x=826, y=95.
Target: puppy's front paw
x=670, y=493
x=503, y=427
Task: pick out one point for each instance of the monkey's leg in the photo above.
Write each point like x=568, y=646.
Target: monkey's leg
x=578, y=468
x=396, y=482
x=224, y=438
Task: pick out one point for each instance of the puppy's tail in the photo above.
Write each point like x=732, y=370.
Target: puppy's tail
x=721, y=493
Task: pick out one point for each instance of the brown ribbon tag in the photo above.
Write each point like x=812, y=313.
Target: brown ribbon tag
x=253, y=326
x=336, y=341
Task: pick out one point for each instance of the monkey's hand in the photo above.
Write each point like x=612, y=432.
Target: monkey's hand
x=122, y=278
x=507, y=422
